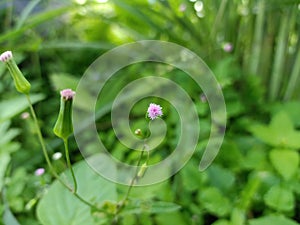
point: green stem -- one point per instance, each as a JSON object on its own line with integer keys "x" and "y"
{"x": 41, "y": 140}
{"x": 122, "y": 204}
{"x": 69, "y": 164}
{"x": 294, "y": 75}
{"x": 279, "y": 60}
{"x": 258, "y": 37}
{"x": 218, "y": 20}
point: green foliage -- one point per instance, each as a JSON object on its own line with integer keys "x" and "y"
{"x": 66, "y": 208}
{"x": 280, "y": 132}
{"x": 280, "y": 198}
{"x": 213, "y": 201}
{"x": 256, "y": 172}
{"x": 286, "y": 162}
{"x": 273, "y": 219}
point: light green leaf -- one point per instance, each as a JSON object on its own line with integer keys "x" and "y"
{"x": 220, "y": 177}
{"x": 213, "y": 200}
{"x": 285, "y": 162}
{"x": 221, "y": 222}
{"x": 4, "y": 160}
{"x": 60, "y": 207}
{"x": 8, "y": 218}
{"x": 62, "y": 81}
{"x": 280, "y": 132}
{"x": 148, "y": 206}
{"x": 10, "y": 108}
{"x": 280, "y": 198}
{"x": 274, "y": 220}
{"x": 175, "y": 218}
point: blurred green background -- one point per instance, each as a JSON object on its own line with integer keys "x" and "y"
{"x": 253, "y": 48}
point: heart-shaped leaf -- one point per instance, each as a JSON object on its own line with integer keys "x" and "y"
{"x": 59, "y": 206}
{"x": 285, "y": 162}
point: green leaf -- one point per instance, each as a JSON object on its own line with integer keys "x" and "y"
{"x": 274, "y": 220}
{"x": 291, "y": 108}
{"x": 280, "y": 132}
{"x": 213, "y": 200}
{"x": 10, "y": 108}
{"x": 220, "y": 177}
{"x": 285, "y": 162}
{"x": 191, "y": 170}
{"x": 221, "y": 222}
{"x": 8, "y": 218}
{"x": 280, "y": 198}
{"x": 4, "y": 161}
{"x": 148, "y": 206}
{"x": 60, "y": 207}
{"x": 62, "y": 81}
{"x": 174, "y": 218}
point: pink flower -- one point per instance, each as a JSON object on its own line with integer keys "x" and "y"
{"x": 39, "y": 172}
{"x": 227, "y": 47}
{"x": 154, "y": 111}
{"x": 67, "y": 94}
{"x": 5, "y": 56}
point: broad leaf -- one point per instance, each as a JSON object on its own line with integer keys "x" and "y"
{"x": 10, "y": 108}
{"x": 272, "y": 220}
{"x": 285, "y": 162}
{"x": 280, "y": 132}
{"x": 222, "y": 222}
{"x": 60, "y": 207}
{"x": 148, "y": 206}
{"x": 213, "y": 200}
{"x": 280, "y": 199}
{"x": 4, "y": 161}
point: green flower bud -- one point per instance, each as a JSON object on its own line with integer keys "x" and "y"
{"x": 22, "y": 85}
{"x": 142, "y": 170}
{"x": 64, "y": 127}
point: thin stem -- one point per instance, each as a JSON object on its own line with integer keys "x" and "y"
{"x": 218, "y": 19}
{"x": 69, "y": 164}
{"x": 41, "y": 140}
{"x": 258, "y": 38}
{"x": 280, "y": 57}
{"x": 122, "y": 204}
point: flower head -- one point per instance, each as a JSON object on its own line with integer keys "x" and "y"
{"x": 154, "y": 111}
{"x": 6, "y": 56}
{"x": 227, "y": 47}
{"x": 22, "y": 85}
{"x": 39, "y": 172}
{"x": 56, "y": 156}
{"x": 63, "y": 127}
{"x": 67, "y": 94}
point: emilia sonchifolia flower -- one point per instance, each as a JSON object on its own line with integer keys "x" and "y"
{"x": 63, "y": 127}
{"x": 154, "y": 111}
{"x": 22, "y": 85}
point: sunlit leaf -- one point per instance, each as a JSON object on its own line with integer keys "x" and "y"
{"x": 274, "y": 220}
{"x": 285, "y": 162}
{"x": 280, "y": 198}
{"x": 60, "y": 207}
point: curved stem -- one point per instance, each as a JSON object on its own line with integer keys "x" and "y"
{"x": 69, "y": 164}
{"x": 122, "y": 204}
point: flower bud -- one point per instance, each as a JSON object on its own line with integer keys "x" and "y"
{"x": 22, "y": 85}
{"x": 142, "y": 170}
{"x": 64, "y": 127}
